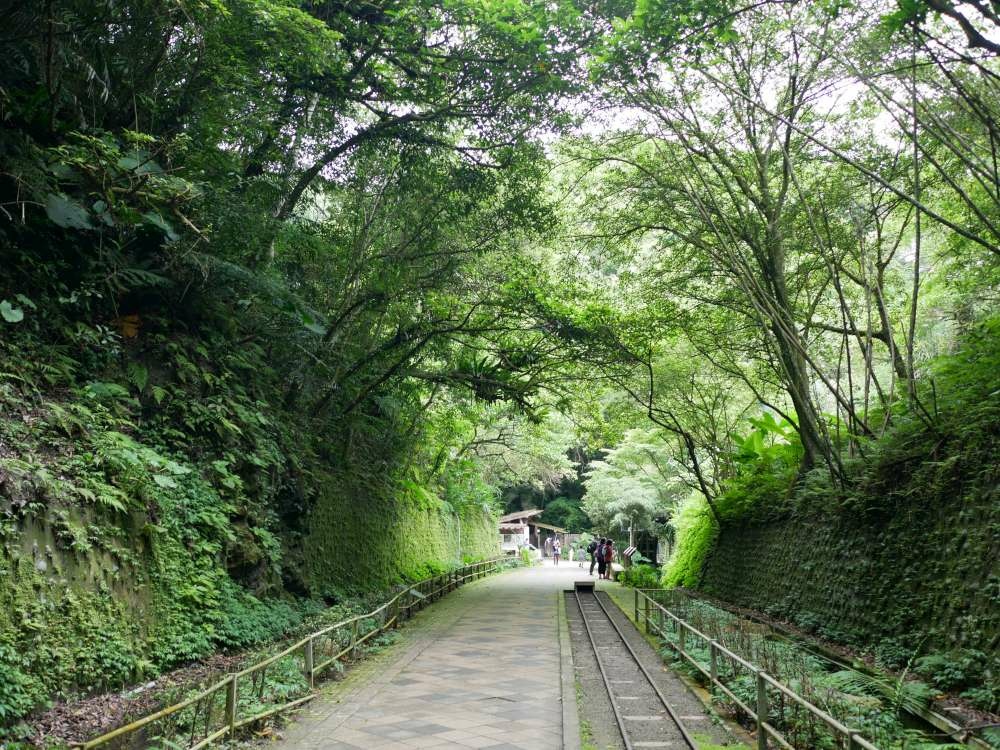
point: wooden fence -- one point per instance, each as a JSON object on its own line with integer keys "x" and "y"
{"x": 657, "y": 617}
{"x": 220, "y": 710}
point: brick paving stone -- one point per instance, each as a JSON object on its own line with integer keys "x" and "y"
{"x": 479, "y": 670}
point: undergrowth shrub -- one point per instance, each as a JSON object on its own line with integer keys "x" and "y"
{"x": 246, "y": 620}
{"x": 953, "y": 670}
{"x": 640, "y": 576}
{"x": 19, "y": 691}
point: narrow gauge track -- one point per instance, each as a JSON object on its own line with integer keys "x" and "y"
{"x": 645, "y": 718}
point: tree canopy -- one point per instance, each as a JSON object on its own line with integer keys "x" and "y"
{"x": 431, "y": 250}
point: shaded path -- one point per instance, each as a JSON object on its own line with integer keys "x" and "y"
{"x": 480, "y": 669}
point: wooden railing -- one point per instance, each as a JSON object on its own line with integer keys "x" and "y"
{"x": 215, "y": 712}
{"x": 657, "y": 617}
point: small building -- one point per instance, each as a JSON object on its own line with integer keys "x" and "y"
{"x": 520, "y": 528}
{"x": 514, "y": 532}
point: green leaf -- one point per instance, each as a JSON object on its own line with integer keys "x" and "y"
{"x": 100, "y": 389}
{"x": 311, "y": 324}
{"x": 162, "y": 224}
{"x": 149, "y": 167}
{"x": 25, "y": 301}
{"x": 164, "y": 481}
{"x": 86, "y": 494}
{"x": 67, "y": 213}
{"x": 176, "y": 469}
{"x": 138, "y": 374}
{"x": 221, "y": 466}
{"x": 10, "y": 313}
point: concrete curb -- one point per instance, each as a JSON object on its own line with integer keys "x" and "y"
{"x": 570, "y": 717}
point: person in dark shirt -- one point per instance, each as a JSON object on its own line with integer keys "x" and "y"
{"x": 592, "y": 551}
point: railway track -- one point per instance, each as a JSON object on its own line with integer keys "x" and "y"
{"x": 644, "y": 716}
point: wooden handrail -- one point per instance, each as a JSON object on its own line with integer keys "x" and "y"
{"x": 765, "y": 730}
{"x": 438, "y": 585}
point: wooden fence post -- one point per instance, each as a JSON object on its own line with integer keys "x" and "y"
{"x": 309, "y": 672}
{"x": 762, "y": 711}
{"x": 713, "y": 652}
{"x": 231, "y": 704}
{"x": 645, "y": 602}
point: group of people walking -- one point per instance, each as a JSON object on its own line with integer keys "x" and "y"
{"x": 602, "y": 553}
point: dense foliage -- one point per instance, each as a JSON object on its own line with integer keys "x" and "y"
{"x": 292, "y": 293}
{"x": 786, "y": 233}
{"x": 262, "y": 272}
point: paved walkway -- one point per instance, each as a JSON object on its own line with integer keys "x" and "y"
{"x": 480, "y": 669}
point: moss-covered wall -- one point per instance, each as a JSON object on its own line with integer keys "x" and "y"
{"x": 364, "y": 543}
{"x": 88, "y": 604}
{"x": 923, "y": 577}
{"x": 480, "y": 533}
{"x": 81, "y": 616}
{"x": 67, "y": 617}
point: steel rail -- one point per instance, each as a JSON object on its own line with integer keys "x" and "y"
{"x": 666, "y": 704}
{"x": 688, "y": 739}
{"x": 604, "y": 675}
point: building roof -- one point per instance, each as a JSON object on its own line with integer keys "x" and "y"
{"x": 510, "y": 528}
{"x": 520, "y": 514}
{"x": 549, "y": 527}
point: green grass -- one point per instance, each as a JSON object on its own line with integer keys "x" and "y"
{"x": 586, "y": 734}
{"x": 705, "y": 743}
